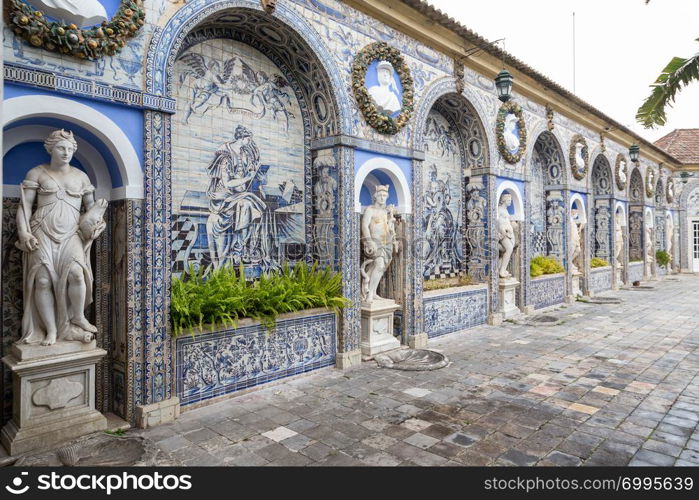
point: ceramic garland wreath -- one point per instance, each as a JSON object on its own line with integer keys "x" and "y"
{"x": 506, "y": 109}
{"x": 579, "y": 174}
{"x": 381, "y": 51}
{"x": 650, "y": 186}
{"x": 90, "y": 43}
{"x": 617, "y": 172}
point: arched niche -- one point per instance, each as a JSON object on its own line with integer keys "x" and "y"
{"x": 455, "y": 144}
{"x": 376, "y": 171}
{"x": 106, "y": 154}
{"x": 251, "y": 94}
{"x": 602, "y": 190}
{"x": 516, "y": 210}
{"x": 548, "y": 172}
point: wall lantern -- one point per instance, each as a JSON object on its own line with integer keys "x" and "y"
{"x": 684, "y": 175}
{"x": 634, "y": 152}
{"x": 503, "y": 82}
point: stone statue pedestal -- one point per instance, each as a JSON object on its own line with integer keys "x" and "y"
{"x": 53, "y": 395}
{"x": 617, "y": 279}
{"x": 507, "y": 298}
{"x": 377, "y": 328}
{"x": 576, "y": 289}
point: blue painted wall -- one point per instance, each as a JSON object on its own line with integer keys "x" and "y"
{"x": 129, "y": 120}
{"x": 23, "y": 157}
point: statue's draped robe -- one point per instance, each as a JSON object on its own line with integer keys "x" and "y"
{"x": 54, "y": 223}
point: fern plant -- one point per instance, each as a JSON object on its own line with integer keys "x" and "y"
{"x": 224, "y": 296}
{"x": 662, "y": 258}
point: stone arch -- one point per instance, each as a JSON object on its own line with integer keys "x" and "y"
{"x": 167, "y": 44}
{"x": 548, "y": 146}
{"x": 394, "y": 173}
{"x": 602, "y": 190}
{"x": 444, "y": 87}
{"x": 636, "y": 187}
{"x": 25, "y": 109}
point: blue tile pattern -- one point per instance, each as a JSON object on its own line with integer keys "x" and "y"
{"x": 547, "y": 291}
{"x": 449, "y": 313}
{"x": 214, "y": 364}
{"x": 600, "y": 279}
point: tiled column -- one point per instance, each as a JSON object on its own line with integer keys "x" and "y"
{"x": 413, "y": 322}
{"x": 349, "y": 353}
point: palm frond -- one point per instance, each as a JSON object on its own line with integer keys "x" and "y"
{"x": 678, "y": 73}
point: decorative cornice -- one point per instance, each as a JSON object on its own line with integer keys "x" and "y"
{"x": 15, "y": 73}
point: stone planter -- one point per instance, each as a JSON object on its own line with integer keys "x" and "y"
{"x": 452, "y": 309}
{"x": 212, "y": 364}
{"x": 600, "y": 279}
{"x": 547, "y": 290}
{"x": 635, "y": 271}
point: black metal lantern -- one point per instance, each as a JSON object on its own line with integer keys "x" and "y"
{"x": 684, "y": 175}
{"x": 503, "y": 82}
{"x": 634, "y": 152}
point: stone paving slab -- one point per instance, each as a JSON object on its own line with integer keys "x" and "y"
{"x": 615, "y": 384}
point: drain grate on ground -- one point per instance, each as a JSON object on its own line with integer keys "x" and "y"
{"x": 412, "y": 360}
{"x": 600, "y": 300}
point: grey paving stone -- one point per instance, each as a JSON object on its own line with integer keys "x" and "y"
{"x": 517, "y": 458}
{"x": 651, "y": 457}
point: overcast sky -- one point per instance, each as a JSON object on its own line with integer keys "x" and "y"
{"x": 620, "y": 47}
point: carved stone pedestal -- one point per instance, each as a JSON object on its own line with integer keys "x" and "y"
{"x": 377, "y": 328}
{"x": 577, "y": 289}
{"x": 507, "y": 298}
{"x": 618, "y": 280}
{"x": 53, "y": 395}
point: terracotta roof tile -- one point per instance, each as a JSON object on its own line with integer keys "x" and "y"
{"x": 682, "y": 143}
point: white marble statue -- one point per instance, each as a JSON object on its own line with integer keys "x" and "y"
{"x": 579, "y": 160}
{"x": 622, "y": 172}
{"x": 509, "y": 133}
{"x": 79, "y": 12}
{"x": 379, "y": 243}
{"x": 651, "y": 179}
{"x": 56, "y": 241}
{"x": 385, "y": 94}
{"x": 576, "y": 227}
{"x": 650, "y": 251}
{"x": 506, "y": 226}
{"x": 618, "y": 237}
{"x": 670, "y": 191}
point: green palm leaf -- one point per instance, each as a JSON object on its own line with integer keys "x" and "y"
{"x": 678, "y": 73}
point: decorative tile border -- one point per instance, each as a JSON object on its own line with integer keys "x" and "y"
{"x": 446, "y": 312}
{"x": 600, "y": 279}
{"x": 213, "y": 364}
{"x": 547, "y": 291}
{"x": 15, "y": 73}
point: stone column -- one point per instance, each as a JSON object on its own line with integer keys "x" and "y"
{"x": 157, "y": 402}
{"x": 349, "y": 353}
{"x": 413, "y": 321}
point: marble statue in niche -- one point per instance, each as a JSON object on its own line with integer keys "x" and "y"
{"x": 441, "y": 227}
{"x": 622, "y": 172}
{"x": 648, "y": 243}
{"x": 576, "y": 228}
{"x": 618, "y": 237}
{"x": 385, "y": 94}
{"x": 506, "y": 227}
{"x": 670, "y": 191}
{"x": 378, "y": 229}
{"x": 79, "y": 12}
{"x": 579, "y": 159}
{"x": 651, "y": 179}
{"x": 511, "y": 133}
{"x": 56, "y": 240}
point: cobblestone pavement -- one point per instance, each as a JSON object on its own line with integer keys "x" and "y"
{"x": 612, "y": 385}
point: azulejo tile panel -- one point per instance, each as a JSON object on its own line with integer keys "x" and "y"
{"x": 547, "y": 292}
{"x": 447, "y": 313}
{"x": 635, "y": 271}
{"x": 600, "y": 279}
{"x": 214, "y": 364}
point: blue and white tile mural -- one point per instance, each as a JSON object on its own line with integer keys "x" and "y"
{"x": 443, "y": 219}
{"x": 238, "y": 161}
